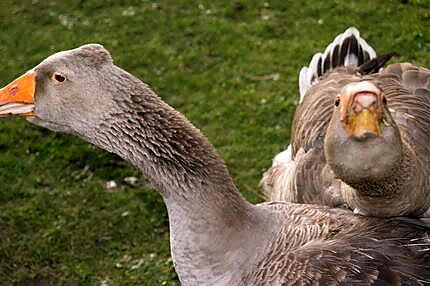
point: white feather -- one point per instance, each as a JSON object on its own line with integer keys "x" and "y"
{"x": 277, "y": 180}
{"x": 309, "y": 75}
{"x": 303, "y": 84}
{"x": 285, "y": 157}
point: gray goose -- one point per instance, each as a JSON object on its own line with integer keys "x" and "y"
{"x": 217, "y": 237}
{"x": 359, "y": 135}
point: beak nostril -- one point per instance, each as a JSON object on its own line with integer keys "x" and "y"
{"x": 13, "y": 90}
{"x": 358, "y": 107}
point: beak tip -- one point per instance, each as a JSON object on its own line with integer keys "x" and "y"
{"x": 17, "y": 98}
{"x": 364, "y": 135}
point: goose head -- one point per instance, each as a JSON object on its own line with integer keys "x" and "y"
{"x": 64, "y": 92}
{"x": 362, "y": 143}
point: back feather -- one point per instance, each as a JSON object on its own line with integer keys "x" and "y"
{"x": 347, "y": 49}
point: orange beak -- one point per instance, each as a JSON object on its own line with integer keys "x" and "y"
{"x": 365, "y": 122}
{"x": 361, "y": 110}
{"x": 17, "y": 98}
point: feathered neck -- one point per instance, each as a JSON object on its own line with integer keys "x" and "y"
{"x": 394, "y": 195}
{"x": 208, "y": 217}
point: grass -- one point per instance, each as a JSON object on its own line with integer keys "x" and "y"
{"x": 212, "y": 60}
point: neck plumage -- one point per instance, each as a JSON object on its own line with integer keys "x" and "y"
{"x": 208, "y": 217}
{"x": 394, "y": 195}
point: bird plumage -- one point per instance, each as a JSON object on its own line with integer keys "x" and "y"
{"x": 307, "y": 176}
{"x": 217, "y": 237}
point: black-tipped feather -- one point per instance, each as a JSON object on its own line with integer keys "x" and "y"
{"x": 353, "y": 50}
{"x": 335, "y": 59}
{"x": 375, "y": 64}
{"x": 347, "y": 49}
{"x": 327, "y": 65}
{"x": 319, "y": 68}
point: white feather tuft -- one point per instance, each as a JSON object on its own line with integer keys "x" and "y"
{"x": 332, "y": 57}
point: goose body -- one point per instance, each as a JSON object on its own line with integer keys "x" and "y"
{"x": 217, "y": 237}
{"x": 385, "y": 176}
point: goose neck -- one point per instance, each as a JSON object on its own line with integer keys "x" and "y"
{"x": 210, "y": 221}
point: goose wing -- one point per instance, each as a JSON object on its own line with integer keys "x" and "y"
{"x": 321, "y": 246}
{"x": 286, "y": 179}
{"x": 407, "y": 89}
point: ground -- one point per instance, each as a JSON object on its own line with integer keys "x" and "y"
{"x": 230, "y": 66}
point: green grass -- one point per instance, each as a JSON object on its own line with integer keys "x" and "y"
{"x": 59, "y": 225}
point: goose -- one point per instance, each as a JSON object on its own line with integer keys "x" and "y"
{"x": 359, "y": 136}
{"x": 216, "y": 236}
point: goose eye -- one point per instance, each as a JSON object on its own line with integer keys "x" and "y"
{"x": 337, "y": 102}
{"x": 384, "y": 100}
{"x": 58, "y": 77}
